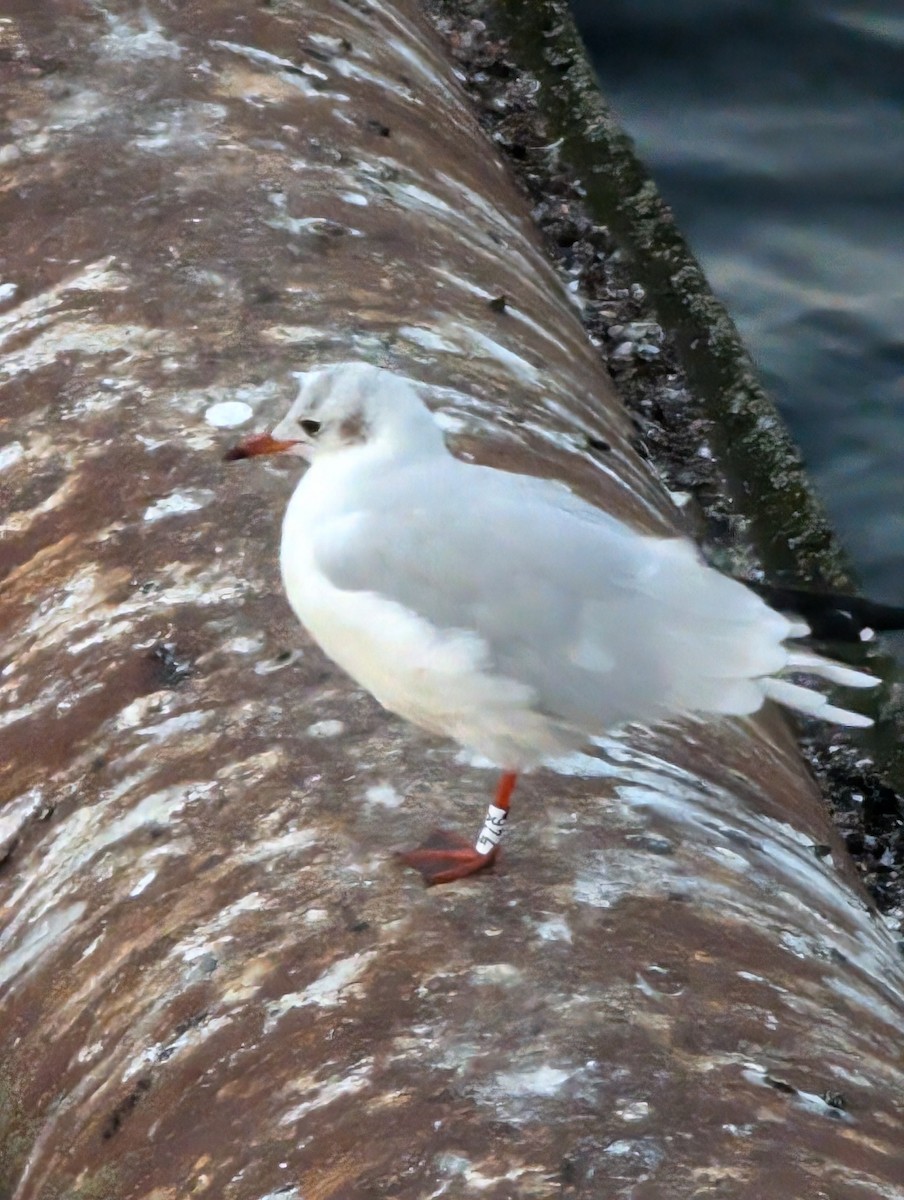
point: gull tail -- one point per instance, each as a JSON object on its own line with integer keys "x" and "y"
{"x": 814, "y": 704}
{"x": 831, "y": 617}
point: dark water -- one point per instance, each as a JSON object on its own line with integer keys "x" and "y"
{"x": 775, "y": 129}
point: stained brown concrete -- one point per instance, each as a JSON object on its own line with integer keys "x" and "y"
{"x": 215, "y": 979}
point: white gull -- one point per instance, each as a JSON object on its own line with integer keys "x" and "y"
{"x": 501, "y": 610}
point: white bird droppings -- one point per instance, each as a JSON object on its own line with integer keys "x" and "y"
{"x": 242, "y": 645}
{"x": 144, "y": 882}
{"x": 40, "y": 936}
{"x": 555, "y": 929}
{"x": 325, "y": 729}
{"x": 384, "y": 795}
{"x": 228, "y": 414}
{"x": 177, "y": 503}
{"x": 10, "y": 454}
{"x": 501, "y": 973}
{"x": 322, "y": 1094}
{"x": 427, "y": 339}
{"x": 544, "y": 1081}
{"x": 284, "y": 659}
{"x": 336, "y": 985}
{"x": 144, "y": 39}
{"x": 635, "y": 1110}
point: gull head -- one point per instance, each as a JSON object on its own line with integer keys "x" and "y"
{"x": 345, "y": 406}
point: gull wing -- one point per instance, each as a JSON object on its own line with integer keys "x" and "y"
{"x": 604, "y": 624}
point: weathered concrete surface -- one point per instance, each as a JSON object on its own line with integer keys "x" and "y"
{"x": 215, "y": 981}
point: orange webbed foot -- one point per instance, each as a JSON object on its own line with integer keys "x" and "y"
{"x": 445, "y": 857}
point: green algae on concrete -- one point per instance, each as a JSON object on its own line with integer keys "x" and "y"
{"x": 17, "y": 1132}
{"x": 103, "y": 1184}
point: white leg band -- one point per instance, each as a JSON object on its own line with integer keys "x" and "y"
{"x": 491, "y": 834}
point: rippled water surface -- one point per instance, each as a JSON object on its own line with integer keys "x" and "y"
{"x": 775, "y": 129}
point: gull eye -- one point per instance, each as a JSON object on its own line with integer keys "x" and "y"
{"x": 310, "y": 427}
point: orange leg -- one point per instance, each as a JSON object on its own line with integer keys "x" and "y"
{"x": 446, "y": 856}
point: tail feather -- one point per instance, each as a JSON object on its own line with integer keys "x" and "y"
{"x": 827, "y": 617}
{"x": 799, "y": 629}
{"x": 844, "y": 716}
{"x": 815, "y": 664}
{"x": 814, "y": 704}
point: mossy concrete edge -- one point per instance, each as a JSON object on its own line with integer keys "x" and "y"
{"x": 788, "y": 523}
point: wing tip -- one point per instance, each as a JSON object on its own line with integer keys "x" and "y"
{"x": 812, "y": 704}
